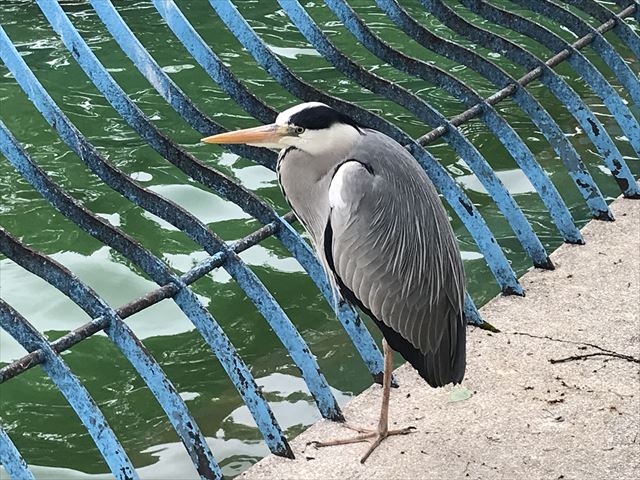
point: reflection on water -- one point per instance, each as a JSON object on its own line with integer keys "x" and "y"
{"x": 293, "y": 52}
{"x": 515, "y": 181}
{"x": 292, "y": 406}
{"x": 205, "y": 206}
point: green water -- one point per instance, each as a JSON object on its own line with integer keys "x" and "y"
{"x": 33, "y": 412}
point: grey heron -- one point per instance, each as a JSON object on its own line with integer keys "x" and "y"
{"x": 382, "y": 235}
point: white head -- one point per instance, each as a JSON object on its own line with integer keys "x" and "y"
{"x": 312, "y": 127}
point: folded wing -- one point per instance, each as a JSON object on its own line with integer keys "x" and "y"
{"x": 390, "y": 246}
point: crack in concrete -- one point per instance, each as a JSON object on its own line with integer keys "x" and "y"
{"x": 604, "y": 352}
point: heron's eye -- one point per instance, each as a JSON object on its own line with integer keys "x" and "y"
{"x": 299, "y": 130}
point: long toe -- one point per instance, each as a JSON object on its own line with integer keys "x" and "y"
{"x": 365, "y": 435}
{"x": 380, "y": 436}
{"x": 345, "y": 441}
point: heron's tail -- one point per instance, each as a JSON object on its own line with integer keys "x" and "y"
{"x": 447, "y": 364}
{"x": 444, "y": 365}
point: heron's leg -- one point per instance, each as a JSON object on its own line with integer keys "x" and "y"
{"x": 383, "y": 423}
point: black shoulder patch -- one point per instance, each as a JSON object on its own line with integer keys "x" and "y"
{"x": 286, "y": 152}
{"x": 366, "y": 165}
{"x": 346, "y": 293}
{"x": 319, "y": 117}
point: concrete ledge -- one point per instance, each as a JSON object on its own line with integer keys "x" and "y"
{"x": 528, "y": 417}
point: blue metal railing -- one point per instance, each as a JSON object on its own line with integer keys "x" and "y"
{"x": 225, "y": 255}
{"x": 611, "y": 156}
{"x": 498, "y": 77}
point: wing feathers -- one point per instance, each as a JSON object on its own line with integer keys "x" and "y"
{"x": 393, "y": 249}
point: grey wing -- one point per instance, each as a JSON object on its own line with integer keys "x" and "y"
{"x": 393, "y": 248}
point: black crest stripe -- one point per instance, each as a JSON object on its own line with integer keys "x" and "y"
{"x": 320, "y": 116}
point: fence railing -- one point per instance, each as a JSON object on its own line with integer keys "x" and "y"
{"x": 224, "y": 255}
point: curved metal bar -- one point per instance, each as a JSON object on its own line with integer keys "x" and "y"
{"x": 356, "y": 330}
{"x": 483, "y": 171}
{"x": 122, "y": 336}
{"x": 611, "y": 156}
{"x": 539, "y": 116}
{"x": 488, "y": 115}
{"x": 167, "y": 88}
{"x": 465, "y": 209}
{"x": 603, "y": 48}
{"x": 471, "y": 313}
{"x": 603, "y": 14}
{"x": 60, "y": 374}
{"x": 248, "y": 281}
{"x": 208, "y": 60}
{"x": 11, "y": 459}
{"x": 211, "y": 63}
{"x": 184, "y": 298}
{"x": 576, "y": 60}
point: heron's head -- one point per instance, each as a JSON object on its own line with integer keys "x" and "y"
{"x": 312, "y": 127}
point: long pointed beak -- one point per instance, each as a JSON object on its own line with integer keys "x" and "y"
{"x": 265, "y": 135}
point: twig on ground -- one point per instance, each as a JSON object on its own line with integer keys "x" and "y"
{"x": 604, "y": 352}
{"x": 628, "y": 358}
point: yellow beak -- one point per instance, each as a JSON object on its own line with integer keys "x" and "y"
{"x": 265, "y": 135}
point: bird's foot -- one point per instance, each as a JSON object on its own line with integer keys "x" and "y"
{"x": 380, "y": 436}
{"x": 365, "y": 434}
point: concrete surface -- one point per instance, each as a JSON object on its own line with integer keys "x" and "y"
{"x": 527, "y": 417}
